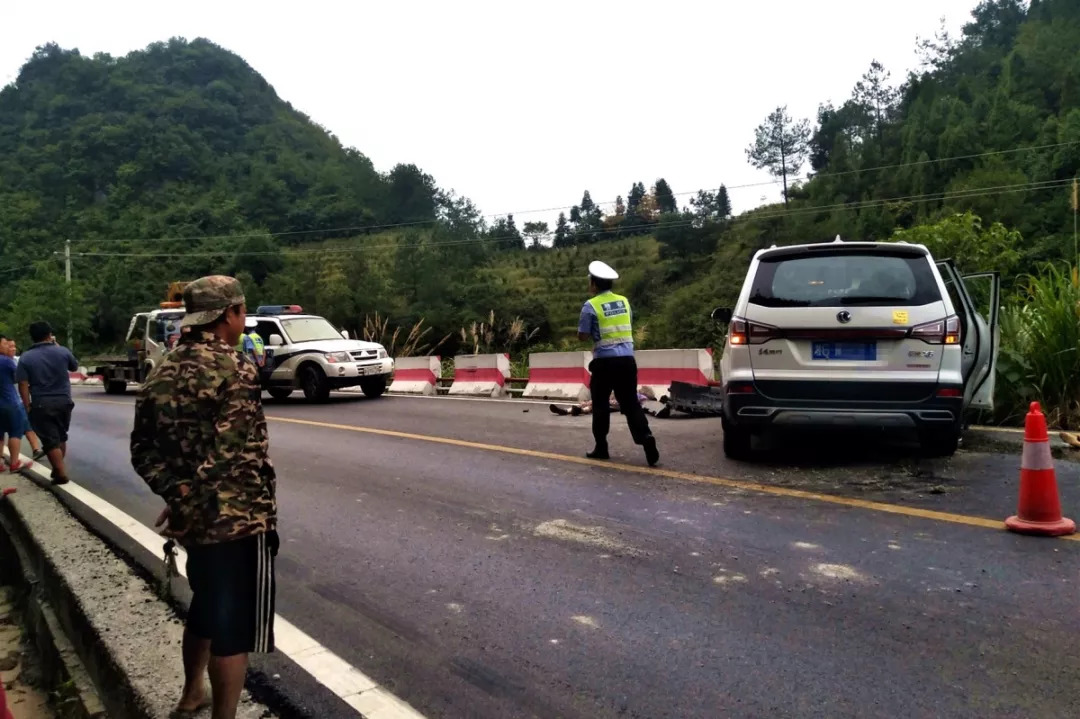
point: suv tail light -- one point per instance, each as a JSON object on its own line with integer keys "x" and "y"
{"x": 939, "y": 332}
{"x": 742, "y": 332}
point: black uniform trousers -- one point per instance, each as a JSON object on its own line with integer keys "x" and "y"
{"x": 618, "y": 375}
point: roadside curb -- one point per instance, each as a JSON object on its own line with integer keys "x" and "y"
{"x": 1011, "y": 441}
{"x": 126, "y": 639}
{"x": 58, "y": 660}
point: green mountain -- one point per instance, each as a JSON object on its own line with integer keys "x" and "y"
{"x": 182, "y": 140}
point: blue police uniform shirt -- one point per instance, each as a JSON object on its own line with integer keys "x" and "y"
{"x": 590, "y": 324}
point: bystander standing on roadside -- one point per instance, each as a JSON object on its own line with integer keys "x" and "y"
{"x": 45, "y": 387}
{"x": 200, "y": 442}
{"x": 13, "y": 422}
{"x": 31, "y": 435}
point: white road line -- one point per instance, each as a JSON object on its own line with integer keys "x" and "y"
{"x": 489, "y": 400}
{"x": 358, "y": 690}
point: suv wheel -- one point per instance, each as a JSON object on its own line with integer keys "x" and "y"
{"x": 280, "y": 393}
{"x": 313, "y": 383}
{"x": 737, "y": 442}
{"x": 939, "y": 442}
{"x": 374, "y": 387}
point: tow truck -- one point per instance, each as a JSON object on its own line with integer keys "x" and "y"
{"x": 149, "y": 337}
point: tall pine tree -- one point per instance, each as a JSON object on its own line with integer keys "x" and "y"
{"x": 723, "y": 203}
{"x": 563, "y": 235}
{"x": 665, "y": 198}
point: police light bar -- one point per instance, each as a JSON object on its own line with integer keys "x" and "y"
{"x": 279, "y": 310}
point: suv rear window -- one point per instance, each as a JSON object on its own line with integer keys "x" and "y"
{"x": 840, "y": 279}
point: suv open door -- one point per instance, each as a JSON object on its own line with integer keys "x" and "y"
{"x": 977, "y": 299}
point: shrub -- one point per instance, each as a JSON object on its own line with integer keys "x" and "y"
{"x": 1040, "y": 348}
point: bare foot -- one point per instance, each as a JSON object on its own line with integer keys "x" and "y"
{"x": 191, "y": 704}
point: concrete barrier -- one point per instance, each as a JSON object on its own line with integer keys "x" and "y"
{"x": 559, "y": 375}
{"x": 83, "y": 376}
{"x": 481, "y": 375}
{"x": 416, "y": 375}
{"x": 657, "y": 369}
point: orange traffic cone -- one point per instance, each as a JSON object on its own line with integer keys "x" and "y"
{"x": 1039, "y": 510}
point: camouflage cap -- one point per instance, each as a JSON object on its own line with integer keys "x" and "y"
{"x": 207, "y": 298}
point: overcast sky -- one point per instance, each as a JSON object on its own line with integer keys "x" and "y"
{"x": 522, "y": 105}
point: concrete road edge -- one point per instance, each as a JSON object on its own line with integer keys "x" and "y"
{"x": 125, "y": 636}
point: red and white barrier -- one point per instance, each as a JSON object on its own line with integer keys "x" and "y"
{"x": 657, "y": 369}
{"x": 481, "y": 375}
{"x": 559, "y": 375}
{"x": 81, "y": 377}
{"x": 416, "y": 375}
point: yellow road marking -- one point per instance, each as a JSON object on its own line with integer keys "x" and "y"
{"x": 741, "y": 484}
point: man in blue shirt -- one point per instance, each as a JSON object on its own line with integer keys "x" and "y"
{"x": 606, "y": 322}
{"x": 13, "y": 422}
{"x": 45, "y": 387}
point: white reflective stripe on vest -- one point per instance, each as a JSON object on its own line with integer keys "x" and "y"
{"x": 1036, "y": 456}
{"x": 613, "y": 342}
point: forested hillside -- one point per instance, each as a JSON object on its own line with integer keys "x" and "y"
{"x": 180, "y": 160}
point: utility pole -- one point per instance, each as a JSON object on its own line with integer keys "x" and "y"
{"x": 1075, "y": 209}
{"x": 67, "y": 274}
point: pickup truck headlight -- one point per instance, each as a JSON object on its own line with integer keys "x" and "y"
{"x": 338, "y": 357}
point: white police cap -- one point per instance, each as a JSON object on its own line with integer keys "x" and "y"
{"x": 602, "y": 271}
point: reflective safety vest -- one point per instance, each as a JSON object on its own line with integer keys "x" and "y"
{"x": 256, "y": 345}
{"x": 613, "y": 313}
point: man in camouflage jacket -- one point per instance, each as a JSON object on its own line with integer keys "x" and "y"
{"x": 200, "y": 442}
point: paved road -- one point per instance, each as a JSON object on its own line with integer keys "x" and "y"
{"x": 477, "y": 582}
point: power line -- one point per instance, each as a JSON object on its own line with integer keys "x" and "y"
{"x": 417, "y": 223}
{"x": 930, "y": 197}
{"x": 849, "y": 206}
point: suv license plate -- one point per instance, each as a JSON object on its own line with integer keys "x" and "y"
{"x": 849, "y": 351}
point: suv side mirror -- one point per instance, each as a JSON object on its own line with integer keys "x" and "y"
{"x": 722, "y": 315}
{"x": 344, "y": 334}
{"x": 276, "y": 341}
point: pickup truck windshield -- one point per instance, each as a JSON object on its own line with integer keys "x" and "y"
{"x": 309, "y": 329}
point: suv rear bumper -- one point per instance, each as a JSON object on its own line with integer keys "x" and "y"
{"x": 759, "y": 411}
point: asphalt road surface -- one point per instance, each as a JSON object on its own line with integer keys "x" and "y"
{"x": 463, "y": 555}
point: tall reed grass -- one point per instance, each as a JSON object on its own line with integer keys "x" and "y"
{"x": 1040, "y": 348}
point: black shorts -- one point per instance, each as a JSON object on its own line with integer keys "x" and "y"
{"x": 51, "y": 418}
{"x": 232, "y": 586}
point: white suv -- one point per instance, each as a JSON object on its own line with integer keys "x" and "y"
{"x": 308, "y": 352}
{"x": 858, "y": 334}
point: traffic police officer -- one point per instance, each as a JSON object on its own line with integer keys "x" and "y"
{"x": 251, "y": 344}
{"x": 606, "y": 322}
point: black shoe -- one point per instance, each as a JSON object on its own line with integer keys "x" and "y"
{"x": 598, "y": 453}
{"x": 57, "y": 479}
{"x": 652, "y": 454}
{"x": 39, "y": 454}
